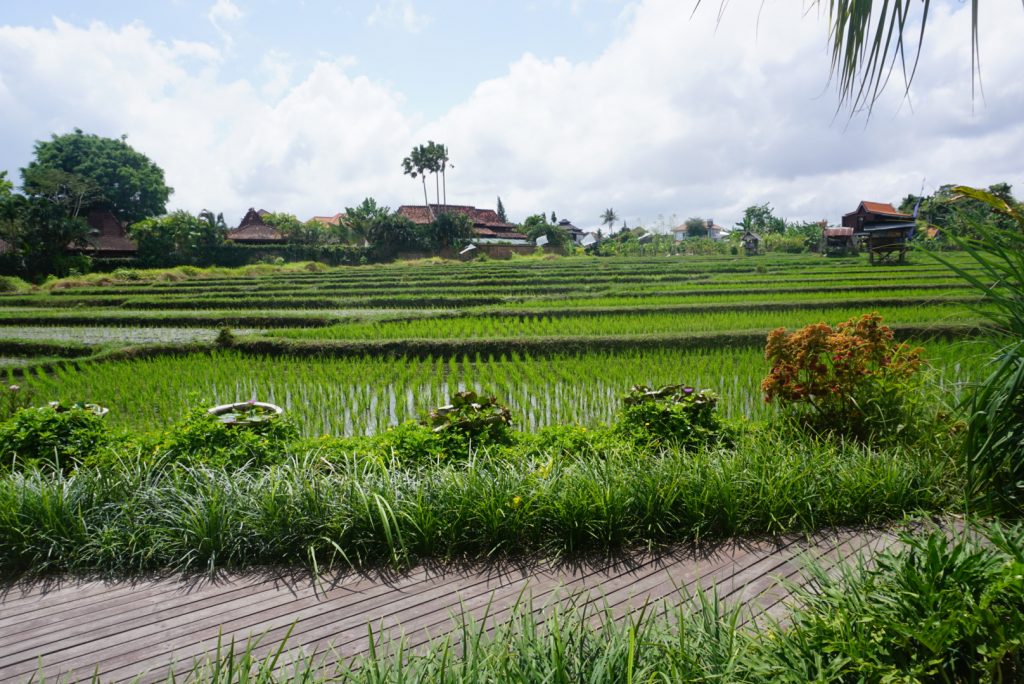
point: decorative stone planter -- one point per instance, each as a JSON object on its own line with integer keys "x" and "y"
{"x": 246, "y": 412}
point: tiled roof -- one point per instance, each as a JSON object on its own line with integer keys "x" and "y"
{"x": 253, "y": 229}
{"x": 480, "y": 217}
{"x": 255, "y": 232}
{"x": 106, "y": 234}
{"x": 879, "y": 208}
{"x": 329, "y": 220}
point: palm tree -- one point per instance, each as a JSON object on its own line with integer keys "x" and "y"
{"x": 416, "y": 165}
{"x": 608, "y": 218}
{"x": 866, "y": 42}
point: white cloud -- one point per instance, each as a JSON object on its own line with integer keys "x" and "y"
{"x": 398, "y": 13}
{"x": 222, "y": 13}
{"x": 677, "y": 116}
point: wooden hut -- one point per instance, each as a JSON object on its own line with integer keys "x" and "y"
{"x": 838, "y": 241}
{"x": 751, "y": 242}
{"x": 885, "y": 232}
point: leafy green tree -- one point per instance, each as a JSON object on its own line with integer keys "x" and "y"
{"x": 394, "y": 233}
{"x": 356, "y": 223}
{"x": 696, "y": 227}
{"x": 537, "y": 225}
{"x": 7, "y": 187}
{"x": 501, "y": 211}
{"x": 961, "y": 215}
{"x": 178, "y": 238}
{"x": 295, "y": 231}
{"x": 105, "y": 172}
{"x": 451, "y": 229}
{"x": 39, "y": 232}
{"x": 760, "y": 219}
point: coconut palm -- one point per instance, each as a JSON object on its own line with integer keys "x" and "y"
{"x": 416, "y": 165}
{"x": 608, "y": 218}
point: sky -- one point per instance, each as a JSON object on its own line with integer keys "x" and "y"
{"x": 655, "y": 108}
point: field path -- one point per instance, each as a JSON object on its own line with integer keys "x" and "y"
{"x": 70, "y": 629}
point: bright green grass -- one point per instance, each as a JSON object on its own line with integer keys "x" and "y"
{"x": 362, "y": 396}
{"x": 469, "y": 327}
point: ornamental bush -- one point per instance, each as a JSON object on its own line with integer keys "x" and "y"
{"x": 672, "y": 414}
{"x": 471, "y": 418}
{"x": 852, "y": 380}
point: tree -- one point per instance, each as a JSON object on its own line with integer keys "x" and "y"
{"x": 961, "y": 215}
{"x": 39, "y": 232}
{"x": 608, "y": 218}
{"x": 867, "y": 41}
{"x": 537, "y": 225}
{"x": 394, "y": 233}
{"x": 295, "y": 231}
{"x": 760, "y": 219}
{"x": 554, "y": 219}
{"x": 7, "y": 187}
{"x": 415, "y": 166}
{"x": 696, "y": 227}
{"x": 120, "y": 180}
{"x": 357, "y": 221}
{"x": 178, "y": 238}
{"x": 451, "y": 229}
{"x": 501, "y": 211}
{"x": 430, "y": 158}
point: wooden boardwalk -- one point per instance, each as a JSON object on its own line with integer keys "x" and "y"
{"x": 70, "y": 629}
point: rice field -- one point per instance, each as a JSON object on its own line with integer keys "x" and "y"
{"x": 363, "y": 396}
{"x": 570, "y": 301}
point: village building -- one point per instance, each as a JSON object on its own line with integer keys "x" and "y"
{"x": 329, "y": 221}
{"x": 107, "y": 237}
{"x": 487, "y": 227}
{"x": 751, "y": 242}
{"x": 884, "y": 231}
{"x": 715, "y": 231}
{"x": 253, "y": 231}
{"x": 575, "y": 234}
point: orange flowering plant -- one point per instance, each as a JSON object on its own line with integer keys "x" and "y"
{"x": 853, "y": 379}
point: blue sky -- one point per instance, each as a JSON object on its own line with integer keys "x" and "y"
{"x": 570, "y": 106}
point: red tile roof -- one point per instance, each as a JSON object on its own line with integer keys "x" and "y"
{"x": 485, "y": 221}
{"x": 880, "y": 208}
{"x": 480, "y": 217}
{"x": 329, "y": 220}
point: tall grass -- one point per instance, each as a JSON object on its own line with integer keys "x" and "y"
{"x": 995, "y": 436}
{"x": 346, "y": 510}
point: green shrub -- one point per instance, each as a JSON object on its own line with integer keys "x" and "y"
{"x": 47, "y": 436}
{"x": 203, "y": 439}
{"x": 935, "y": 611}
{"x": 127, "y": 274}
{"x": 557, "y": 441}
{"x": 672, "y": 414}
{"x": 9, "y": 284}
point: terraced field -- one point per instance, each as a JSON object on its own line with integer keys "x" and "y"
{"x": 559, "y": 339}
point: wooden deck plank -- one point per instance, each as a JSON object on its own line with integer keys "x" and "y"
{"x": 132, "y": 627}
